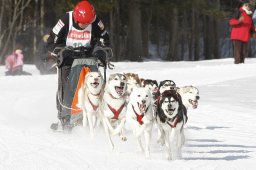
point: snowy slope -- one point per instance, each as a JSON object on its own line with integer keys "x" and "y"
{"x": 220, "y": 133}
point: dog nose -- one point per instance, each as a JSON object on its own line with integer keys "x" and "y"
{"x": 197, "y": 97}
{"x": 122, "y": 84}
{"x": 96, "y": 79}
{"x": 143, "y": 101}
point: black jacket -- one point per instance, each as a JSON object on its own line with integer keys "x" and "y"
{"x": 59, "y": 40}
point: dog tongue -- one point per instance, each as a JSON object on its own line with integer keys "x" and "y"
{"x": 95, "y": 84}
{"x": 142, "y": 108}
{"x": 119, "y": 90}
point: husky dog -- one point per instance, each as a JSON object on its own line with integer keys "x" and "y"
{"x": 140, "y": 116}
{"x": 190, "y": 96}
{"x": 152, "y": 85}
{"x": 113, "y": 108}
{"x": 166, "y": 85}
{"x": 171, "y": 117}
{"x": 89, "y": 97}
{"x": 142, "y": 82}
{"x": 133, "y": 80}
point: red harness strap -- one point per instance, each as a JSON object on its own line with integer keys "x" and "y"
{"x": 177, "y": 120}
{"x": 94, "y": 107}
{"x": 139, "y": 117}
{"x": 116, "y": 112}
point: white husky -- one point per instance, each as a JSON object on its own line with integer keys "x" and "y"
{"x": 89, "y": 97}
{"x": 189, "y": 95}
{"x": 113, "y": 108}
{"x": 140, "y": 116}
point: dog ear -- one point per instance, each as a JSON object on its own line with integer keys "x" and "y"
{"x": 125, "y": 76}
{"x": 155, "y": 82}
{"x": 160, "y": 113}
{"x": 161, "y": 83}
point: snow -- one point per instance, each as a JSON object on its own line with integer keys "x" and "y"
{"x": 220, "y": 133}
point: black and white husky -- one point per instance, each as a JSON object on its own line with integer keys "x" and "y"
{"x": 89, "y": 97}
{"x": 113, "y": 107}
{"x": 140, "y": 116}
{"x": 166, "y": 85}
{"x": 171, "y": 117}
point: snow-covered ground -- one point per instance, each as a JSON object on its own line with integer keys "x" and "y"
{"x": 220, "y": 133}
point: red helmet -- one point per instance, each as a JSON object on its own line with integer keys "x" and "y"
{"x": 84, "y": 13}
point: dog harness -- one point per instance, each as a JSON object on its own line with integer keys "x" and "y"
{"x": 139, "y": 117}
{"x": 94, "y": 107}
{"x": 116, "y": 112}
{"x": 173, "y": 123}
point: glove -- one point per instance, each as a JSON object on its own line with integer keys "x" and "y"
{"x": 59, "y": 61}
{"x": 65, "y": 56}
{"x": 101, "y": 55}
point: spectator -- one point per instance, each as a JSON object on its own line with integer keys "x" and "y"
{"x": 14, "y": 63}
{"x": 242, "y": 27}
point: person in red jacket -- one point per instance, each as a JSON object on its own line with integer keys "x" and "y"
{"x": 242, "y": 27}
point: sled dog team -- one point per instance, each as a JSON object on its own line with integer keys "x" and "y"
{"x": 127, "y": 100}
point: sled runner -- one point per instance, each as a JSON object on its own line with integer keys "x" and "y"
{"x": 82, "y": 62}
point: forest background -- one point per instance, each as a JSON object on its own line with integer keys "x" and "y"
{"x": 171, "y": 30}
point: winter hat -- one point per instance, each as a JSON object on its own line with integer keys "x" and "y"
{"x": 245, "y": 2}
{"x": 242, "y": 2}
{"x": 19, "y": 51}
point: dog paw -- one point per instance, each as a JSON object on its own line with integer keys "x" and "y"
{"x": 123, "y": 138}
{"x": 148, "y": 157}
{"x": 161, "y": 142}
{"x": 147, "y": 154}
{"x": 169, "y": 157}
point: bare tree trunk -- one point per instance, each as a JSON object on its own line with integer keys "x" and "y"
{"x": 184, "y": 40}
{"x": 42, "y": 18}
{"x": 115, "y": 36}
{"x": 215, "y": 39}
{"x": 196, "y": 36}
{"x": 146, "y": 17}
{"x": 2, "y": 10}
{"x": 173, "y": 37}
{"x": 155, "y": 38}
{"x": 135, "y": 51}
{"x": 34, "y": 26}
{"x": 192, "y": 35}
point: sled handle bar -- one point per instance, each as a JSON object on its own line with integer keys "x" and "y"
{"x": 82, "y": 50}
